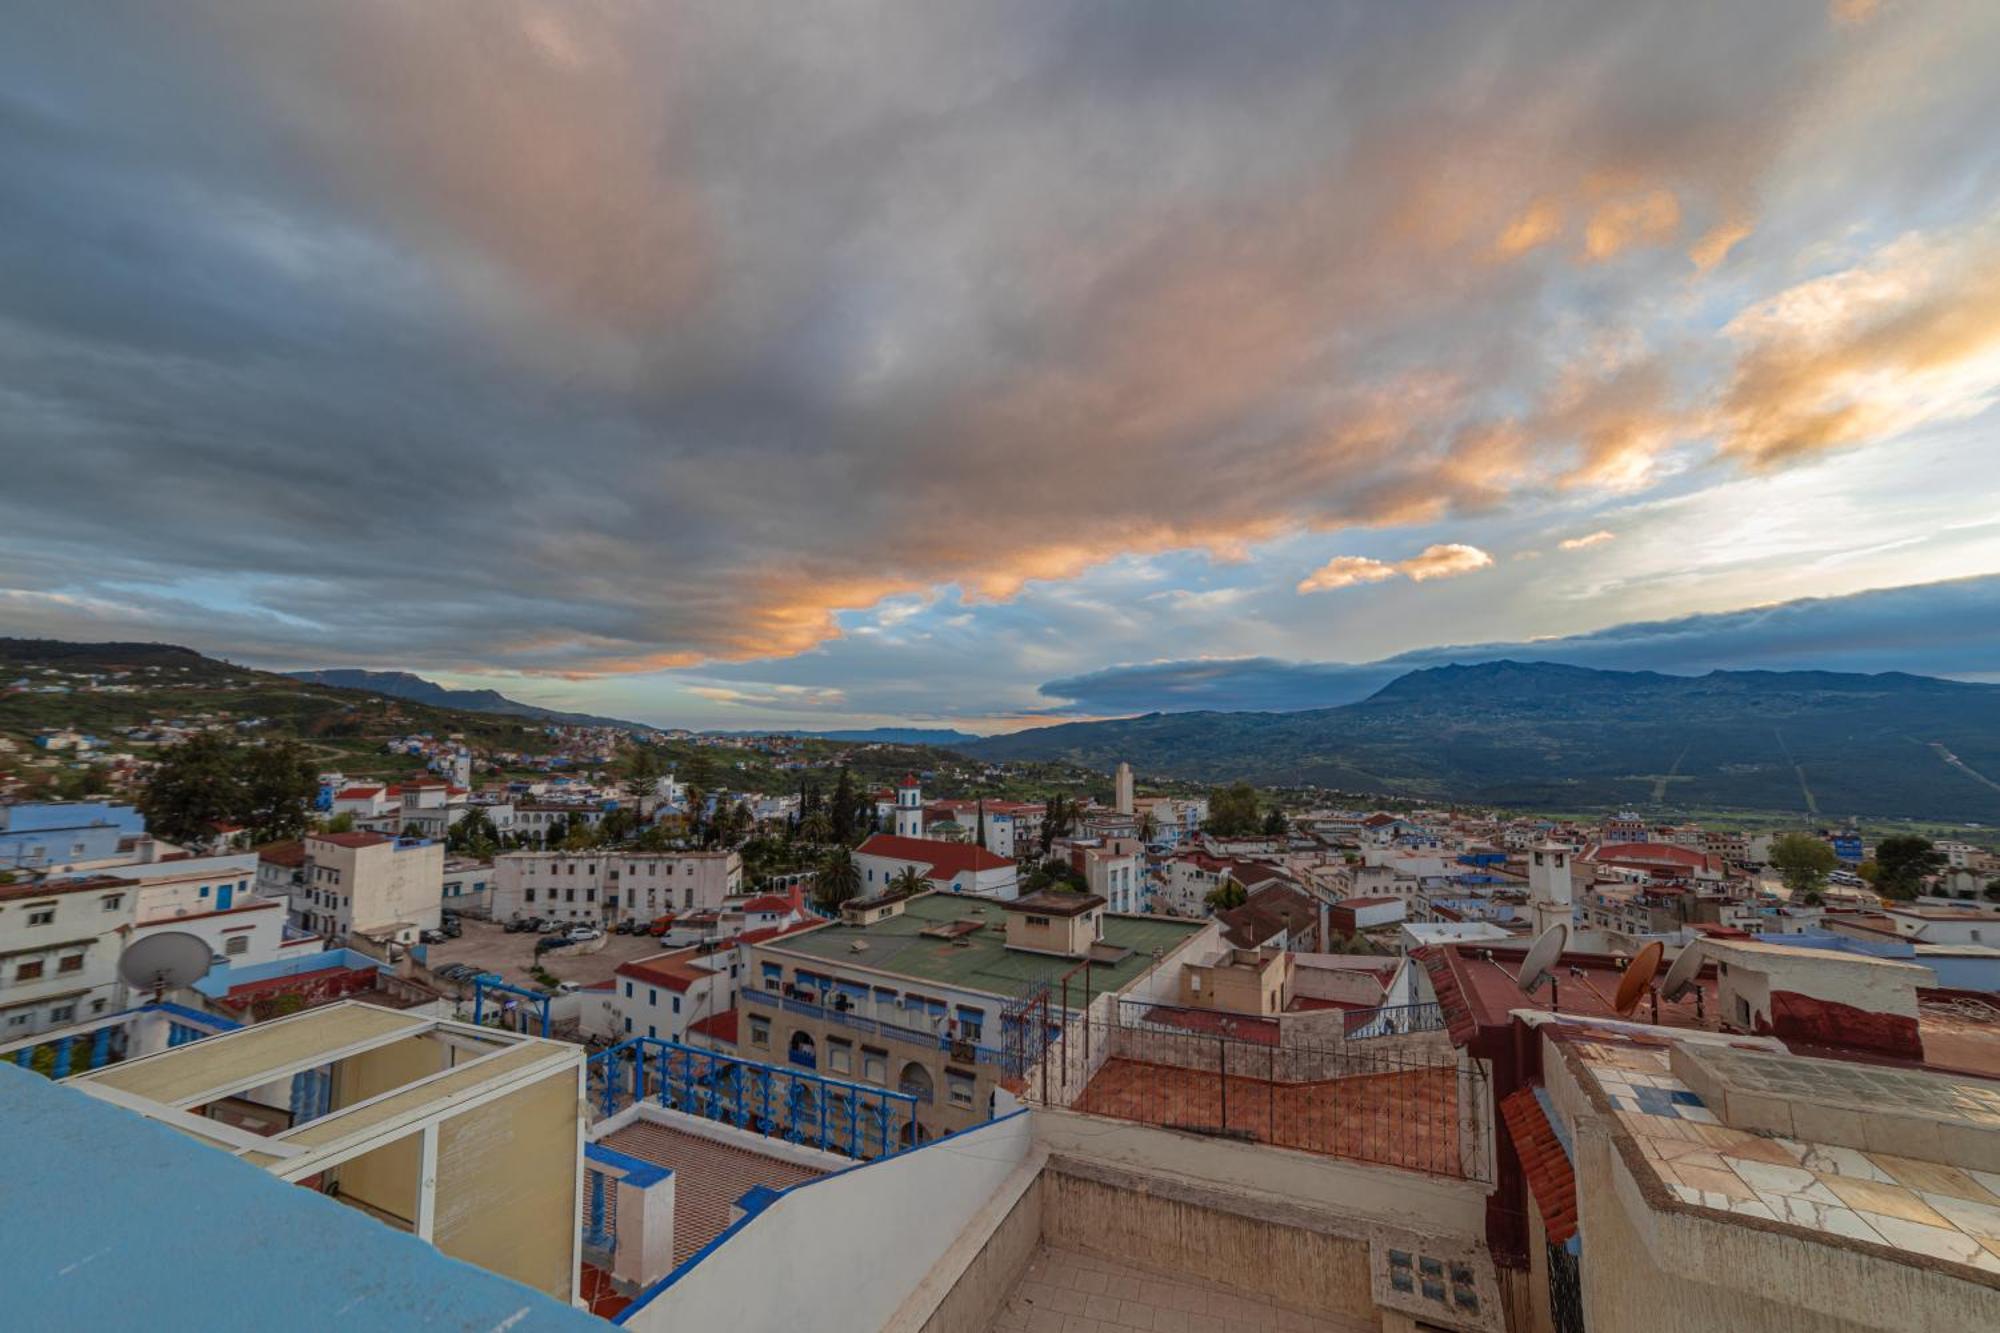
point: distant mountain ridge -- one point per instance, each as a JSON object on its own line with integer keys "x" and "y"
{"x": 404, "y": 685}
{"x": 1828, "y": 744}
{"x": 940, "y": 736}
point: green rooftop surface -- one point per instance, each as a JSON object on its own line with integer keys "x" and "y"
{"x": 897, "y": 945}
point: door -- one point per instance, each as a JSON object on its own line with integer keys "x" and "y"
{"x": 223, "y": 893}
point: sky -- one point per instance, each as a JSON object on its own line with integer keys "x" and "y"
{"x": 743, "y": 364}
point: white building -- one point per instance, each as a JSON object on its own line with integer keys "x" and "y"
{"x": 662, "y": 995}
{"x": 59, "y": 946}
{"x": 218, "y": 904}
{"x": 951, "y": 867}
{"x": 606, "y": 886}
{"x": 370, "y": 884}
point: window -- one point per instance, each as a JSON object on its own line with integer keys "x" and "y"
{"x": 569, "y": 895}
{"x": 590, "y": 895}
{"x": 652, "y": 1031}
{"x": 530, "y": 895}
{"x": 690, "y": 898}
{"x": 677, "y": 1004}
{"x": 628, "y": 1025}
{"x": 839, "y": 1055}
{"x": 874, "y": 1064}
{"x": 63, "y": 1013}
{"x": 628, "y": 990}
{"x": 236, "y": 944}
{"x": 71, "y": 963}
{"x": 28, "y": 971}
{"x": 113, "y": 901}
{"x": 652, "y": 997}
{"x": 760, "y": 1031}
{"x": 18, "y": 1020}
{"x": 204, "y": 891}
{"x": 960, "y": 1086}
{"x": 42, "y": 917}
{"x": 1038, "y": 920}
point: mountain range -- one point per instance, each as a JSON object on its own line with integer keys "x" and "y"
{"x": 403, "y": 685}
{"x": 1552, "y": 736}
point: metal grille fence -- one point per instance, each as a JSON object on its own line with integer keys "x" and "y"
{"x": 1405, "y": 1101}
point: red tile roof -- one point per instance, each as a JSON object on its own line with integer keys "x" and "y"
{"x": 356, "y": 793}
{"x": 283, "y": 853}
{"x": 674, "y": 970}
{"x": 1551, "y": 1178}
{"x": 1458, "y": 1019}
{"x": 721, "y": 1027}
{"x": 769, "y": 902}
{"x": 946, "y": 859}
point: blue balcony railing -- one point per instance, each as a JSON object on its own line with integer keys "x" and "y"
{"x": 969, "y": 1050}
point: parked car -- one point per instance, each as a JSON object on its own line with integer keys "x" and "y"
{"x": 622, "y": 928}
{"x": 661, "y": 925}
{"x": 579, "y": 934}
{"x": 432, "y": 936}
{"x": 516, "y": 926}
{"x": 568, "y": 987}
{"x": 550, "y": 927}
{"x": 451, "y": 930}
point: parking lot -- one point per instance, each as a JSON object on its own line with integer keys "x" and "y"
{"x": 487, "y": 946}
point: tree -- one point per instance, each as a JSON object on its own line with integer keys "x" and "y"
{"x": 839, "y": 879}
{"x": 641, "y": 782}
{"x": 1903, "y": 864}
{"x": 1148, "y": 826}
{"x": 1227, "y": 894}
{"x": 907, "y": 881}
{"x": 194, "y": 788}
{"x": 1993, "y": 891}
{"x": 277, "y": 786}
{"x": 1275, "y": 823}
{"x": 340, "y": 823}
{"x": 1804, "y": 861}
{"x": 841, "y": 817}
{"x": 1232, "y": 811}
{"x": 816, "y": 828}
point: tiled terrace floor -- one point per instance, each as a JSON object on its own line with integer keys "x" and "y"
{"x": 1407, "y": 1119}
{"x": 708, "y": 1177}
{"x": 1068, "y": 1291}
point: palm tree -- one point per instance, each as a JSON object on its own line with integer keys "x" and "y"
{"x": 907, "y": 881}
{"x": 839, "y": 879}
{"x": 815, "y": 828}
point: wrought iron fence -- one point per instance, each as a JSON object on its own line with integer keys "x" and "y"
{"x": 1411, "y": 1103}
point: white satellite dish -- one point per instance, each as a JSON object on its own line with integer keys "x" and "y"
{"x": 160, "y": 963}
{"x": 1682, "y": 974}
{"x": 1537, "y": 967}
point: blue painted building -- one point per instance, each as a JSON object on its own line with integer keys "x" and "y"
{"x": 38, "y": 834}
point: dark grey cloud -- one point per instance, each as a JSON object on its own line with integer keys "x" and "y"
{"x": 1942, "y": 629}
{"x": 555, "y": 338}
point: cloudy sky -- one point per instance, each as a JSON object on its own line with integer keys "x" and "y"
{"x": 734, "y": 364}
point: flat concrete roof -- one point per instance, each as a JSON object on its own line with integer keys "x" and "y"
{"x": 982, "y": 960}
{"x": 154, "y": 1222}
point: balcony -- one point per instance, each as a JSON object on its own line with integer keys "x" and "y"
{"x": 968, "y": 1052}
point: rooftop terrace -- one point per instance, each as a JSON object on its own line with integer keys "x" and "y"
{"x": 981, "y": 960}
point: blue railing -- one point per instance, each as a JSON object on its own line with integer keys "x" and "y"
{"x": 600, "y": 1213}
{"x": 797, "y": 1105}
{"x": 105, "y": 1040}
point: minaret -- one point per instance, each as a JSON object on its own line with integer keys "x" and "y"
{"x": 1550, "y": 894}
{"x": 909, "y": 808}
{"x": 1122, "y": 789}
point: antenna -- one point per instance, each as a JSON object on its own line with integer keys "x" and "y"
{"x": 1537, "y": 966}
{"x": 163, "y": 962}
{"x": 1682, "y": 974}
{"x": 1638, "y": 975}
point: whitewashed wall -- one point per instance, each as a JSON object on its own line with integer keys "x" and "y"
{"x": 868, "y": 1235}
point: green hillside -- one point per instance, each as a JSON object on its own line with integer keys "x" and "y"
{"x": 1546, "y": 736}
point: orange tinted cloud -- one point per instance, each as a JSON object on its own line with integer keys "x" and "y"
{"x": 1647, "y": 218}
{"x": 1442, "y": 561}
{"x": 1909, "y": 336}
{"x": 1597, "y": 538}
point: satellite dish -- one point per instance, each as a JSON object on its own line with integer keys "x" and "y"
{"x": 1638, "y": 975}
{"x": 162, "y": 962}
{"x": 1541, "y": 957}
{"x": 1682, "y": 974}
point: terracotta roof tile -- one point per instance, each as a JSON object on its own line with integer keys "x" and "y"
{"x": 1551, "y": 1178}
